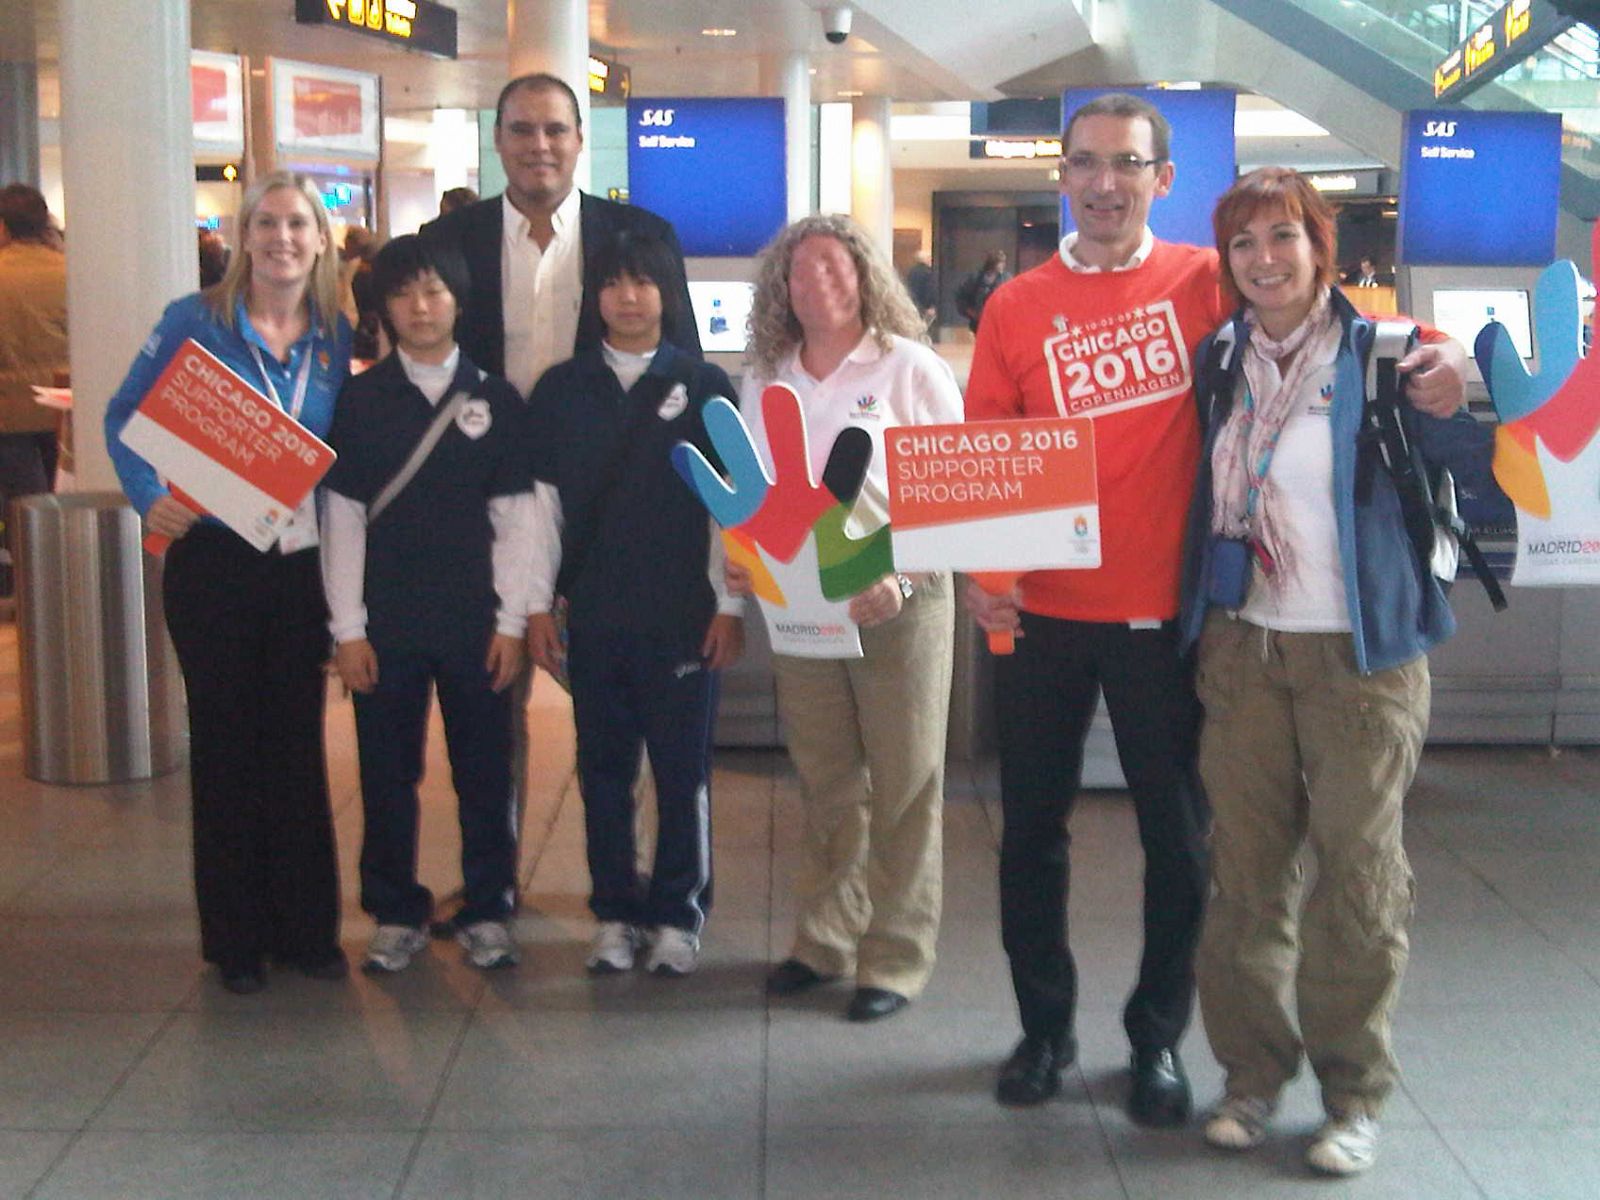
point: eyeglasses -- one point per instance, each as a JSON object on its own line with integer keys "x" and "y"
{"x": 1087, "y": 166}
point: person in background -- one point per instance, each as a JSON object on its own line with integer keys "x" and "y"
{"x": 427, "y": 590}
{"x": 647, "y": 628}
{"x": 456, "y": 197}
{"x": 976, "y": 288}
{"x": 923, "y": 286}
{"x": 33, "y": 342}
{"x": 356, "y": 300}
{"x": 250, "y": 627}
{"x": 1314, "y": 613}
{"x": 866, "y": 735}
{"x": 213, "y": 253}
{"x": 1366, "y": 275}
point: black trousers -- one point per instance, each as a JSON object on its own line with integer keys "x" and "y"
{"x": 27, "y": 464}
{"x": 630, "y": 691}
{"x": 1045, "y": 697}
{"x": 251, "y": 634}
{"x": 392, "y": 732}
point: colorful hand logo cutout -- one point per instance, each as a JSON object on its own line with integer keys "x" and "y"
{"x": 767, "y": 518}
{"x": 1557, "y": 408}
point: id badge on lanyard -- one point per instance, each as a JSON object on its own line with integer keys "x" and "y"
{"x": 301, "y": 531}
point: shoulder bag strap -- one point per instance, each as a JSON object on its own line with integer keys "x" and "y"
{"x": 419, "y": 454}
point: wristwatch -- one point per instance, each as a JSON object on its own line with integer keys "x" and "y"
{"x": 906, "y": 589}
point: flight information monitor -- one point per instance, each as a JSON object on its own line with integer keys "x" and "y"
{"x": 1479, "y": 188}
{"x": 713, "y": 167}
{"x": 722, "y": 314}
{"x": 1463, "y": 312}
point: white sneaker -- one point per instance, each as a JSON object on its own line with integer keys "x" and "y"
{"x": 673, "y": 953}
{"x": 1238, "y": 1123}
{"x": 393, "y": 947}
{"x": 612, "y": 951}
{"x": 1344, "y": 1145}
{"x": 489, "y": 945}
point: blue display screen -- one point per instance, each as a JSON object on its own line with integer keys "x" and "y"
{"x": 714, "y": 168}
{"x": 1202, "y": 151}
{"x": 1479, "y": 188}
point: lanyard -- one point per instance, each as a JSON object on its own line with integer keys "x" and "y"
{"x": 298, "y": 401}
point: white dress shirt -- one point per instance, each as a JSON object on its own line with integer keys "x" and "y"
{"x": 541, "y": 292}
{"x": 1069, "y": 255}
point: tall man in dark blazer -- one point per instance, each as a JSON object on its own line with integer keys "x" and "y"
{"x": 531, "y": 299}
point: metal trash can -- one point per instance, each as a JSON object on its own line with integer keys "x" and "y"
{"x": 102, "y": 699}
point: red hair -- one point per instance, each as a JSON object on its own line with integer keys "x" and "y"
{"x": 1282, "y": 190}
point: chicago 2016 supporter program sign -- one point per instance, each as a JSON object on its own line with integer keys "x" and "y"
{"x": 226, "y": 446}
{"x": 995, "y": 496}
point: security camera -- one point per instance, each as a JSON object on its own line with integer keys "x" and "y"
{"x": 836, "y": 22}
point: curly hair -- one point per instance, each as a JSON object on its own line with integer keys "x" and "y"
{"x": 886, "y": 308}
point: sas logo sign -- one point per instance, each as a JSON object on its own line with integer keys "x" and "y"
{"x": 659, "y": 117}
{"x": 1439, "y": 129}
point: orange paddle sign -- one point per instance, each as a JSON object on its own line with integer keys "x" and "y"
{"x": 998, "y": 583}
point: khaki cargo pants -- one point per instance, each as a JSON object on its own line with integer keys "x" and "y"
{"x": 1299, "y": 748}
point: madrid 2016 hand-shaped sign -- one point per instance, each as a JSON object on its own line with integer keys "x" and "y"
{"x": 1547, "y": 455}
{"x": 785, "y": 527}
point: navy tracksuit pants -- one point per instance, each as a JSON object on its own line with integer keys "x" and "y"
{"x": 392, "y": 732}
{"x": 629, "y": 690}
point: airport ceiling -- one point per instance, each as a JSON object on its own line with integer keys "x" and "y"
{"x": 911, "y": 50}
{"x": 661, "y": 40}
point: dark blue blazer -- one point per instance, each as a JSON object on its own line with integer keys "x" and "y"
{"x": 475, "y": 234}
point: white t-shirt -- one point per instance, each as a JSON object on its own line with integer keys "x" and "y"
{"x": 908, "y": 384}
{"x": 1310, "y": 596}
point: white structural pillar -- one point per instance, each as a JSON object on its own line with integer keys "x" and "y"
{"x": 789, "y": 76}
{"x": 127, "y": 170}
{"x": 452, "y": 148}
{"x": 552, "y": 36}
{"x": 19, "y": 123}
{"x": 871, "y": 187}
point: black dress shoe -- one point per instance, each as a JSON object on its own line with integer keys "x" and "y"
{"x": 873, "y": 1004}
{"x": 1160, "y": 1095}
{"x": 792, "y": 976}
{"x": 329, "y": 968}
{"x": 243, "y": 981}
{"x": 1033, "y": 1072}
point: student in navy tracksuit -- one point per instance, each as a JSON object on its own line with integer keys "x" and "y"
{"x": 429, "y": 592}
{"x": 646, "y": 632}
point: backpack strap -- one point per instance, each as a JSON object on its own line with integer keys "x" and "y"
{"x": 1427, "y": 503}
{"x": 1220, "y": 367}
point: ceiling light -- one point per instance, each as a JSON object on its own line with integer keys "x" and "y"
{"x": 719, "y": 32}
{"x": 852, "y": 94}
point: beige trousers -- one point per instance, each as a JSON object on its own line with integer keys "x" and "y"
{"x": 1299, "y": 748}
{"x": 867, "y": 738}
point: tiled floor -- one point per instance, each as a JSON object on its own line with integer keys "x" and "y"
{"x": 126, "y": 1072}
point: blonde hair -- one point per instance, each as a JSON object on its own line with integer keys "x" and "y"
{"x": 886, "y": 308}
{"x": 322, "y": 290}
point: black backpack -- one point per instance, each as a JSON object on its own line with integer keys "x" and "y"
{"x": 1427, "y": 493}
